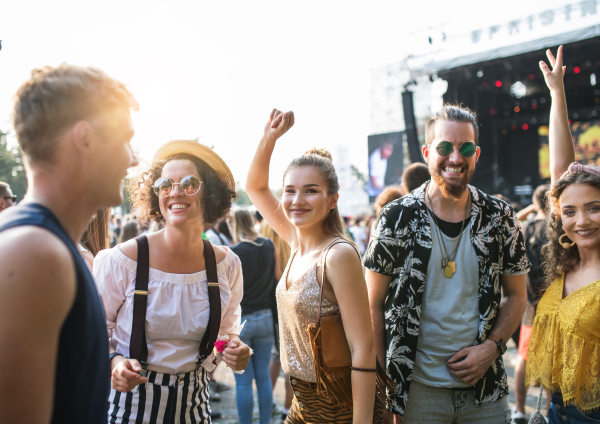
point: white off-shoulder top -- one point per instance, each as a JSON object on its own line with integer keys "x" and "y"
{"x": 177, "y": 311}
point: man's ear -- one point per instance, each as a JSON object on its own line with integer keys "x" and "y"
{"x": 477, "y": 153}
{"x": 81, "y": 134}
{"x": 425, "y": 152}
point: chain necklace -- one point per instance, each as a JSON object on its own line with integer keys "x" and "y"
{"x": 448, "y": 262}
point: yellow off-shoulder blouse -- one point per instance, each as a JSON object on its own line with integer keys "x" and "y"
{"x": 564, "y": 350}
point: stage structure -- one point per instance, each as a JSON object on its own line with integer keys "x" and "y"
{"x": 495, "y": 71}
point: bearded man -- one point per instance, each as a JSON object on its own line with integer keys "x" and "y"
{"x": 446, "y": 275}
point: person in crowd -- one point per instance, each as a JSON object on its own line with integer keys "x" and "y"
{"x": 415, "y": 175}
{"x": 261, "y": 270}
{"x": 215, "y": 236}
{"x": 7, "y": 199}
{"x": 534, "y": 233}
{"x": 564, "y": 350}
{"x": 118, "y": 226}
{"x": 346, "y": 221}
{"x": 283, "y": 252}
{"x": 259, "y": 219}
{"x": 307, "y": 218}
{"x": 359, "y": 235}
{"x": 95, "y": 236}
{"x": 446, "y": 275}
{"x": 73, "y": 125}
{"x": 225, "y": 231}
{"x": 187, "y": 187}
{"x": 388, "y": 194}
{"x": 130, "y": 230}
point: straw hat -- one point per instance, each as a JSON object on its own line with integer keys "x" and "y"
{"x": 200, "y": 151}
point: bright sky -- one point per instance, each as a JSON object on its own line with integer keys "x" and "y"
{"x": 215, "y": 70}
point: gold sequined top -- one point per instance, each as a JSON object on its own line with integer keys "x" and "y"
{"x": 298, "y": 307}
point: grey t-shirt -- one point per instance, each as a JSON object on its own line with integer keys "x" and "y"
{"x": 450, "y": 311}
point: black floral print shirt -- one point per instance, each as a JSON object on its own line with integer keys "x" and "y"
{"x": 401, "y": 246}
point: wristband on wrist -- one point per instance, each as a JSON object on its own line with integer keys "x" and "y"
{"x": 112, "y": 355}
{"x": 363, "y": 369}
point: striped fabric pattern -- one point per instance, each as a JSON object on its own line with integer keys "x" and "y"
{"x": 165, "y": 399}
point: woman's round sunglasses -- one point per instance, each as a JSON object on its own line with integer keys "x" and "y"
{"x": 467, "y": 149}
{"x": 188, "y": 186}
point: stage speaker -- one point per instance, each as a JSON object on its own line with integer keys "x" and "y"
{"x": 414, "y": 149}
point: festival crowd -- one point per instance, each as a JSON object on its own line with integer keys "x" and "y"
{"x": 399, "y": 317}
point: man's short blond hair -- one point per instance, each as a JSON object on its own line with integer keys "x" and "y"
{"x": 55, "y": 97}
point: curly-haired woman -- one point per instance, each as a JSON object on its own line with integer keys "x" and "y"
{"x": 564, "y": 350}
{"x": 188, "y": 186}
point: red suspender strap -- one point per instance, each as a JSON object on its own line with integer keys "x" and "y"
{"x": 138, "y": 348}
{"x": 214, "y": 299}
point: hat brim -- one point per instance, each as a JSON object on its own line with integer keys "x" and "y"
{"x": 200, "y": 151}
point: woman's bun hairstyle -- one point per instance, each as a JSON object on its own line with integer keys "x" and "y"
{"x": 319, "y": 152}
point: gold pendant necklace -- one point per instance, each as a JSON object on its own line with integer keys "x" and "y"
{"x": 448, "y": 263}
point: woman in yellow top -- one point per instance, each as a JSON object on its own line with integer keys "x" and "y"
{"x": 564, "y": 351}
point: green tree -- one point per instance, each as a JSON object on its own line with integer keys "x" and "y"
{"x": 12, "y": 170}
{"x": 242, "y": 198}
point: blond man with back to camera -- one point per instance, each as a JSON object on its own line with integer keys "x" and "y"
{"x": 74, "y": 127}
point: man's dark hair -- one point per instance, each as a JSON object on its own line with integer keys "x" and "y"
{"x": 4, "y": 188}
{"x": 454, "y": 113}
{"x": 540, "y": 197}
{"x": 414, "y": 176}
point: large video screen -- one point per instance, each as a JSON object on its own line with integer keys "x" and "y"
{"x": 586, "y": 138}
{"x": 385, "y": 162}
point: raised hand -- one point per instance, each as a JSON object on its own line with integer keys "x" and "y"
{"x": 554, "y": 77}
{"x": 279, "y": 123}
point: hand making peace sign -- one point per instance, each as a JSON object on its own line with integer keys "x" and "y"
{"x": 554, "y": 77}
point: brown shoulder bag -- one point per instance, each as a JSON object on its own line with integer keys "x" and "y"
{"x": 332, "y": 356}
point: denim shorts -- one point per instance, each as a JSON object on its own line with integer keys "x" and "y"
{"x": 570, "y": 415}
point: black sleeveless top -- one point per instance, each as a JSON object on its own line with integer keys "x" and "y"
{"x": 82, "y": 369}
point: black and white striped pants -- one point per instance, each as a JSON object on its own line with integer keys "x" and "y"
{"x": 164, "y": 399}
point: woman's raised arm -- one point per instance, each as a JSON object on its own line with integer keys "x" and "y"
{"x": 562, "y": 152}
{"x": 257, "y": 184}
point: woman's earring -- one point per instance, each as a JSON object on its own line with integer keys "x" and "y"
{"x": 564, "y": 244}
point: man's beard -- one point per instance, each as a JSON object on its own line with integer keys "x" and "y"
{"x": 451, "y": 191}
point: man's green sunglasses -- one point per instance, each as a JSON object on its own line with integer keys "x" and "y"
{"x": 467, "y": 149}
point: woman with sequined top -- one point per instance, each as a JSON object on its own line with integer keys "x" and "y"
{"x": 307, "y": 218}
{"x": 564, "y": 350}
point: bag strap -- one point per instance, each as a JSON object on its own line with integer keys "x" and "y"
{"x": 324, "y": 264}
{"x": 214, "y": 300}
{"x": 138, "y": 347}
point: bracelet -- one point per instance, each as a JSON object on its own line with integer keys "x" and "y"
{"x": 112, "y": 355}
{"x": 363, "y": 369}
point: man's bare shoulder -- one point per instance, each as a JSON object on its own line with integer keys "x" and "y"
{"x": 35, "y": 263}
